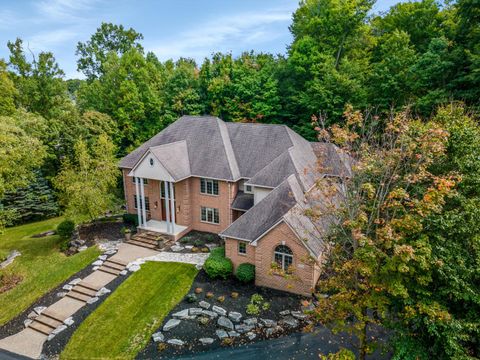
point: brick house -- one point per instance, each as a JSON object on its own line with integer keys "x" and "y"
{"x": 249, "y": 183}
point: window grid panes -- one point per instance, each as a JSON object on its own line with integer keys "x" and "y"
{"x": 209, "y": 186}
{"x": 283, "y": 257}
{"x": 145, "y": 181}
{"x": 242, "y": 248}
{"x": 147, "y": 202}
{"x": 210, "y": 215}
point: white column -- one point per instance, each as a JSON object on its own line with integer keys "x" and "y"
{"x": 137, "y": 193}
{"x": 167, "y": 205}
{"x": 144, "y": 211}
{"x": 172, "y": 207}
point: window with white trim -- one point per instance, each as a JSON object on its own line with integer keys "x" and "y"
{"x": 242, "y": 247}
{"x": 283, "y": 257}
{"x": 147, "y": 202}
{"x": 248, "y": 189}
{"x": 209, "y": 215}
{"x": 145, "y": 181}
{"x": 208, "y": 186}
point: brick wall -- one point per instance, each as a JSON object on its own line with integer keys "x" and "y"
{"x": 231, "y": 251}
{"x": 222, "y": 202}
{"x": 302, "y": 279}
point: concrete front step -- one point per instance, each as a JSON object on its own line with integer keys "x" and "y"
{"x": 145, "y": 240}
{"x": 45, "y": 320}
{"x": 113, "y": 265}
{"x": 116, "y": 261}
{"x": 84, "y": 291}
{"x": 78, "y": 296}
{"x": 141, "y": 244}
{"x": 109, "y": 270}
{"x": 53, "y": 315}
{"x": 88, "y": 286}
{"x": 41, "y": 328}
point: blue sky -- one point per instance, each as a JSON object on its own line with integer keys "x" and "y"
{"x": 171, "y": 28}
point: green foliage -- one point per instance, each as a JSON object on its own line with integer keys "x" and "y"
{"x": 218, "y": 252}
{"x": 65, "y": 229}
{"x": 256, "y": 305}
{"x": 191, "y": 298}
{"x": 245, "y": 272}
{"x": 130, "y": 219}
{"x": 85, "y": 183}
{"x": 217, "y": 265}
{"x": 32, "y": 203}
{"x": 108, "y": 39}
{"x": 343, "y": 354}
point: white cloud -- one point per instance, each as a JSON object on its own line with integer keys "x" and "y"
{"x": 242, "y": 30}
{"x": 49, "y": 39}
{"x": 64, "y": 10}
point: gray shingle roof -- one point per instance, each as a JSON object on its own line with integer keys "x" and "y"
{"x": 242, "y": 201}
{"x": 174, "y": 157}
{"x": 260, "y": 218}
{"x": 205, "y": 143}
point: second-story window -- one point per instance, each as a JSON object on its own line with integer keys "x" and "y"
{"x": 209, "y": 186}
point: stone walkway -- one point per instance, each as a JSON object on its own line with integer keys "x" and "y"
{"x": 29, "y": 342}
{"x": 195, "y": 259}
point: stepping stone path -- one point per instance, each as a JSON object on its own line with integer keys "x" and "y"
{"x": 222, "y": 334}
{"x": 290, "y": 322}
{"x": 203, "y": 304}
{"x": 158, "y": 337}
{"x": 176, "y": 342}
{"x": 251, "y": 321}
{"x": 235, "y": 316}
{"x": 210, "y": 313}
{"x": 219, "y": 310}
{"x": 206, "y": 341}
{"x": 268, "y": 322}
{"x": 171, "y": 324}
{"x": 225, "y": 322}
{"x": 181, "y": 314}
{"x": 299, "y": 315}
{"x": 195, "y": 311}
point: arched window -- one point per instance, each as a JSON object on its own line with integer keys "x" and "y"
{"x": 283, "y": 257}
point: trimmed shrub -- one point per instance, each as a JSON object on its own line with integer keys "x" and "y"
{"x": 217, "y": 265}
{"x": 191, "y": 298}
{"x": 219, "y": 251}
{"x": 245, "y": 272}
{"x": 130, "y": 219}
{"x": 65, "y": 229}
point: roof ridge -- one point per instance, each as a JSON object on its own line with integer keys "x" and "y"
{"x": 227, "y": 145}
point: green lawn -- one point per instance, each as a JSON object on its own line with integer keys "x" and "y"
{"x": 42, "y": 265}
{"x": 124, "y": 323}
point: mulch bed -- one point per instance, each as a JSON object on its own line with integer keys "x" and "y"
{"x": 53, "y": 348}
{"x": 9, "y": 281}
{"x": 190, "y": 331}
{"x": 108, "y": 230}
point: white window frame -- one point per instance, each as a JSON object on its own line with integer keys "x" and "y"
{"x": 147, "y": 202}
{"x": 205, "y": 182}
{"x": 145, "y": 181}
{"x": 283, "y": 256}
{"x": 246, "y": 191}
{"x": 209, "y": 211}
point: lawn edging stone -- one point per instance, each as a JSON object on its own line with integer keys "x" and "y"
{"x": 171, "y": 324}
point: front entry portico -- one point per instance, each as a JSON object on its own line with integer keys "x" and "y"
{"x": 165, "y": 225}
